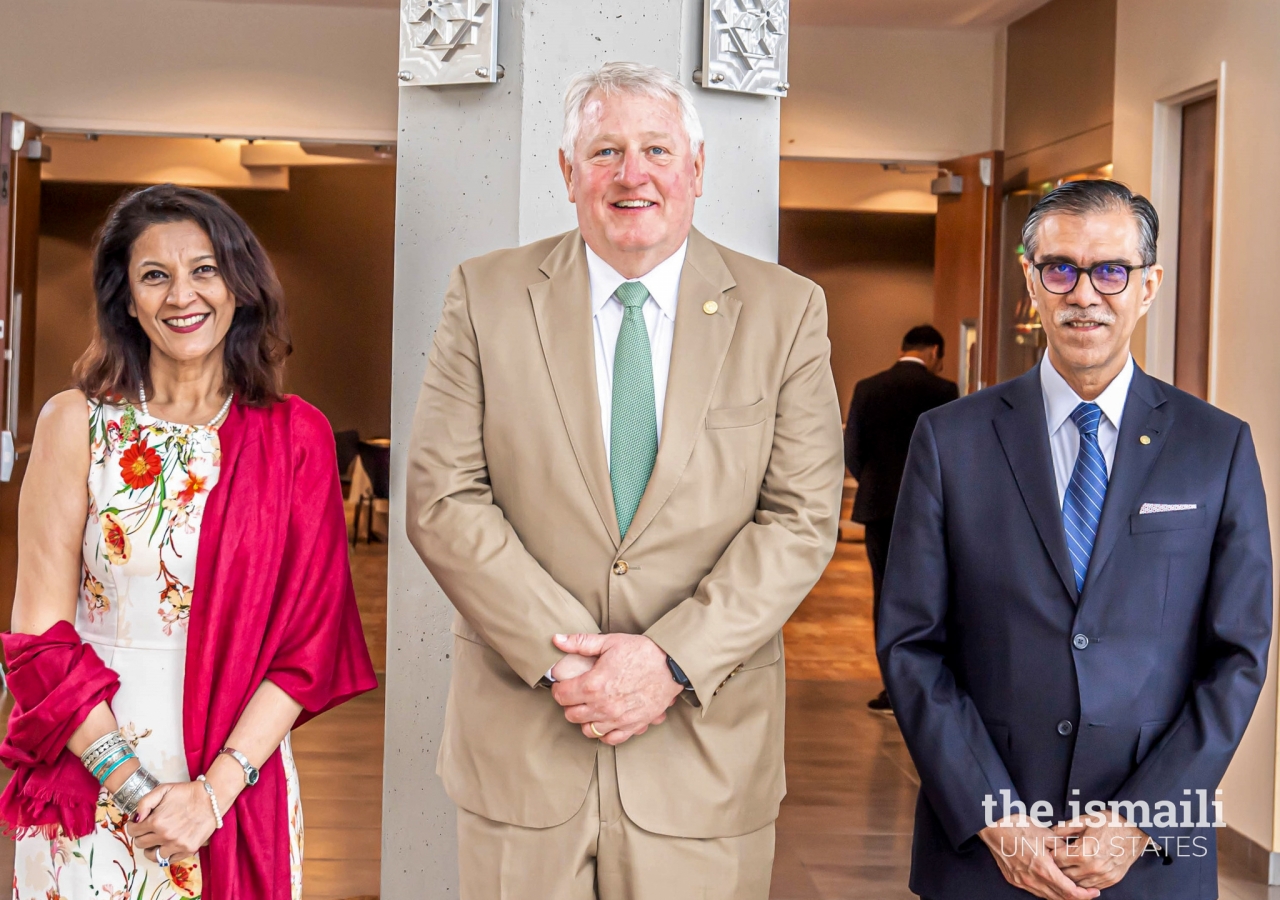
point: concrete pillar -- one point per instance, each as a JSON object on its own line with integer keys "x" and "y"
{"x": 477, "y": 171}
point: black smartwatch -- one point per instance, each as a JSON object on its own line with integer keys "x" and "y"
{"x": 678, "y": 675}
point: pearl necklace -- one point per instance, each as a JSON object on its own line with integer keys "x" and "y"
{"x": 142, "y": 401}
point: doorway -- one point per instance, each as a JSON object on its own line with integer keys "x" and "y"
{"x": 325, "y": 215}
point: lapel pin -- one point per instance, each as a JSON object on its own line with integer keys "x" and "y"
{"x": 1144, "y": 440}
{"x": 710, "y": 307}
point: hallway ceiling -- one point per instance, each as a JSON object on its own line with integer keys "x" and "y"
{"x": 911, "y": 14}
{"x": 359, "y": 4}
{"x": 866, "y": 13}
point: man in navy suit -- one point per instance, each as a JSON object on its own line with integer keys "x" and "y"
{"x": 1077, "y": 606}
{"x": 877, "y": 436}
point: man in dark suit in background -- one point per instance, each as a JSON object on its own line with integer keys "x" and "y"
{"x": 877, "y": 436}
{"x": 1077, "y": 609}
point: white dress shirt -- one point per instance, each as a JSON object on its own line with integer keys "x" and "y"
{"x": 663, "y": 284}
{"x": 1064, "y": 438}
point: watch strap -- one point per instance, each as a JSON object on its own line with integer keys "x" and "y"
{"x": 250, "y": 770}
{"x": 678, "y": 675}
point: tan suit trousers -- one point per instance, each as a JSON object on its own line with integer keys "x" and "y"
{"x": 600, "y": 854}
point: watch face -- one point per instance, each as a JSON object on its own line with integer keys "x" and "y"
{"x": 251, "y": 776}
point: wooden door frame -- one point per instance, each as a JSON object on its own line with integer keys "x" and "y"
{"x": 1166, "y": 196}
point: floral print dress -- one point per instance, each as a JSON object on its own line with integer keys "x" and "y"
{"x": 148, "y": 483}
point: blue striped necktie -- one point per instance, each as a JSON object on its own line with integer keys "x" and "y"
{"x": 1082, "y": 506}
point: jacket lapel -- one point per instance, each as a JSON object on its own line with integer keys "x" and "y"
{"x": 697, "y": 353}
{"x": 1024, "y": 435}
{"x": 1145, "y": 413}
{"x": 562, "y": 310}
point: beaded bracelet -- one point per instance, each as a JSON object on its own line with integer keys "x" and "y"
{"x": 213, "y": 799}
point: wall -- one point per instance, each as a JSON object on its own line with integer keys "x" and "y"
{"x": 1166, "y": 47}
{"x": 201, "y": 67}
{"x": 877, "y": 272}
{"x": 331, "y": 239}
{"x": 854, "y": 186}
{"x": 890, "y": 94}
{"x": 1059, "y": 90}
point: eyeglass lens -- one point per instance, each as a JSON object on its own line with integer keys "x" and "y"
{"x": 1061, "y": 278}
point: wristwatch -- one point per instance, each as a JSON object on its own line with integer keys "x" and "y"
{"x": 250, "y": 773}
{"x": 678, "y": 675}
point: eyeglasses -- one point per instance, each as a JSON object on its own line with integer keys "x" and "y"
{"x": 1062, "y": 278}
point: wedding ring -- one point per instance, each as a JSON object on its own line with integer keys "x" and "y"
{"x": 592, "y": 726}
{"x": 162, "y": 860}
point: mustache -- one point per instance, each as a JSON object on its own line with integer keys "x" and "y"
{"x": 1098, "y": 315}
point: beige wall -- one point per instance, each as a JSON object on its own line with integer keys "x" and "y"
{"x": 877, "y": 272}
{"x": 331, "y": 239}
{"x": 1166, "y": 47}
{"x": 200, "y": 67}
{"x": 885, "y": 93}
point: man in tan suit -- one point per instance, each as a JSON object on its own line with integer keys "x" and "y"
{"x": 625, "y": 474}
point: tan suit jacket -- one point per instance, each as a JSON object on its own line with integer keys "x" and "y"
{"x": 510, "y": 506}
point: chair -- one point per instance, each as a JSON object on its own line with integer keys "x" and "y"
{"x": 375, "y": 458}
{"x": 348, "y": 448}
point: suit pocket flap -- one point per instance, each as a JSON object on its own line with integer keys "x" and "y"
{"x": 1167, "y": 521}
{"x": 737, "y": 416}
{"x": 462, "y": 628}
{"x": 767, "y": 655}
{"x": 1148, "y": 734}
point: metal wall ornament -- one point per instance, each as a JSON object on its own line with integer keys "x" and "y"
{"x": 745, "y": 46}
{"x": 449, "y": 42}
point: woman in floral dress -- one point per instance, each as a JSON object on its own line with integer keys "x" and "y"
{"x": 193, "y": 672}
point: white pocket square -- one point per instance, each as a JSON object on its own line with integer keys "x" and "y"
{"x": 1149, "y": 508}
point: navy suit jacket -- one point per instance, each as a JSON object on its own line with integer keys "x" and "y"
{"x": 1003, "y": 677}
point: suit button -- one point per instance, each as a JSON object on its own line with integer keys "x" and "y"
{"x": 620, "y": 567}
{"x": 1080, "y": 641}
{"x": 1065, "y": 727}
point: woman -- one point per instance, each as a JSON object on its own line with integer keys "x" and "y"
{"x": 133, "y": 669}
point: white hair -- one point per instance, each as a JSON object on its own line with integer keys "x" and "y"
{"x": 630, "y": 78}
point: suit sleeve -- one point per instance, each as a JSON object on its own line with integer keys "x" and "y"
{"x": 452, "y": 521}
{"x": 958, "y": 763}
{"x": 852, "y": 444}
{"x": 1234, "y": 641}
{"x": 773, "y": 562}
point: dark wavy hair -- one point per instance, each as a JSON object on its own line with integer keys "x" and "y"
{"x": 257, "y": 343}
{"x": 1090, "y": 196}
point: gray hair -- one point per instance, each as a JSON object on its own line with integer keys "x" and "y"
{"x": 630, "y": 78}
{"x": 1082, "y": 198}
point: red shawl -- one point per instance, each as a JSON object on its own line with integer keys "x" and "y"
{"x": 272, "y": 599}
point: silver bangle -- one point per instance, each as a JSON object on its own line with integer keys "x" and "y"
{"x": 138, "y": 785}
{"x": 102, "y": 748}
{"x": 213, "y": 799}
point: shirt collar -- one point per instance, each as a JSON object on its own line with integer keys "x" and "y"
{"x": 1060, "y": 400}
{"x": 662, "y": 281}
{"x": 912, "y": 359}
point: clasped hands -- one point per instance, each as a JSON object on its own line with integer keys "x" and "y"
{"x": 613, "y": 685}
{"x": 175, "y": 820}
{"x": 1072, "y": 861}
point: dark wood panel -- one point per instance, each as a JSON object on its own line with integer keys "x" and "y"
{"x": 19, "y": 271}
{"x": 1060, "y": 74}
{"x": 1195, "y": 246}
{"x": 965, "y": 259}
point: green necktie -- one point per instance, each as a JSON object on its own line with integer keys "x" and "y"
{"x": 633, "y": 431}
